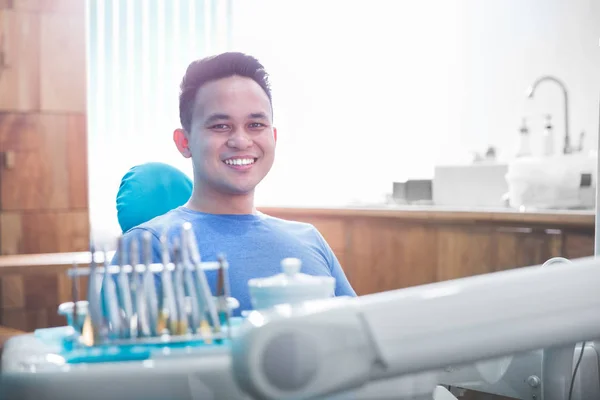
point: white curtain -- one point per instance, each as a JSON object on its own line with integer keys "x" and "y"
{"x": 138, "y": 51}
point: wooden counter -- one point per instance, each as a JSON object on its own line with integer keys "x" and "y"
{"x": 379, "y": 249}
{"x": 41, "y": 262}
{"x": 583, "y": 218}
{"x": 395, "y": 247}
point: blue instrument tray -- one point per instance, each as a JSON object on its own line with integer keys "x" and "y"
{"x": 136, "y": 350}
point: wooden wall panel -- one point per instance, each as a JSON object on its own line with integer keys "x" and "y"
{"x": 43, "y": 191}
{"x": 45, "y": 232}
{"x": 39, "y": 177}
{"x": 51, "y": 6}
{"x": 50, "y": 170}
{"x": 77, "y": 152}
{"x": 19, "y": 83}
{"x": 11, "y": 233}
{"x": 17, "y": 133}
{"x": 62, "y": 79}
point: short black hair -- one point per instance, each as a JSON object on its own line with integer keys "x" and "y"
{"x": 212, "y": 68}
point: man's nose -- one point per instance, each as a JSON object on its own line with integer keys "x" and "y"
{"x": 239, "y": 140}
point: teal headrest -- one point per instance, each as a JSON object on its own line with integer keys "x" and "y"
{"x": 149, "y": 190}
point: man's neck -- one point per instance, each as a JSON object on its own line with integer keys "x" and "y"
{"x": 211, "y": 202}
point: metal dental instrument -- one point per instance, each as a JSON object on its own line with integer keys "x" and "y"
{"x": 168, "y": 306}
{"x": 124, "y": 290}
{"x": 75, "y": 296}
{"x": 94, "y": 301}
{"x": 182, "y": 322}
{"x": 149, "y": 284}
{"x": 110, "y": 302}
{"x": 137, "y": 292}
{"x": 201, "y": 281}
{"x": 189, "y": 281}
{"x": 223, "y": 293}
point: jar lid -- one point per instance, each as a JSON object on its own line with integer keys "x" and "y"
{"x": 290, "y": 277}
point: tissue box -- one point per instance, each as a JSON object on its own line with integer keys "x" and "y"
{"x": 476, "y": 185}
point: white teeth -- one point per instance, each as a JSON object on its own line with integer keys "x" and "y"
{"x": 239, "y": 161}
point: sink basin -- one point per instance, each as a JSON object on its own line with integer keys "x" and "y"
{"x": 562, "y": 181}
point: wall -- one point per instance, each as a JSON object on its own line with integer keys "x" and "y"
{"x": 382, "y": 91}
{"x": 43, "y": 178}
{"x": 507, "y": 45}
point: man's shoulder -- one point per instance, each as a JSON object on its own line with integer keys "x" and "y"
{"x": 160, "y": 224}
{"x": 304, "y": 231}
{"x": 290, "y": 225}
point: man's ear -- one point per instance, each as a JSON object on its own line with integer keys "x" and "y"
{"x": 182, "y": 143}
{"x": 275, "y": 134}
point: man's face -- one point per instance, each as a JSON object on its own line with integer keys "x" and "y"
{"x": 232, "y": 140}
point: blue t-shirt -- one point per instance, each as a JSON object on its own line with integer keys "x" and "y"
{"x": 253, "y": 244}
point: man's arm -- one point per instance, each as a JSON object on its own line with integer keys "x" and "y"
{"x": 342, "y": 285}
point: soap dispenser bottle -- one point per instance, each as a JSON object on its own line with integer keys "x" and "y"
{"x": 548, "y": 138}
{"x": 524, "y": 141}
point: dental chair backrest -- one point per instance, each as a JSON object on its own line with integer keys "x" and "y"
{"x": 150, "y": 190}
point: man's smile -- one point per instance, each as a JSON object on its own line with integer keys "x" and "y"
{"x": 240, "y": 163}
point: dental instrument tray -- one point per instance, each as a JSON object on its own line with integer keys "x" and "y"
{"x": 140, "y": 310}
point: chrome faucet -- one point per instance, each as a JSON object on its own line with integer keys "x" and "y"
{"x": 530, "y": 92}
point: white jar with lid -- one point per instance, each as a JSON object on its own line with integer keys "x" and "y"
{"x": 289, "y": 287}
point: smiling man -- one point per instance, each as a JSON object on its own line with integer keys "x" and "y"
{"x": 227, "y": 131}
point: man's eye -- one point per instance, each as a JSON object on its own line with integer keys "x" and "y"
{"x": 256, "y": 125}
{"x": 219, "y": 127}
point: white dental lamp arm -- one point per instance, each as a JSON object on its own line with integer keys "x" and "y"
{"x": 338, "y": 344}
